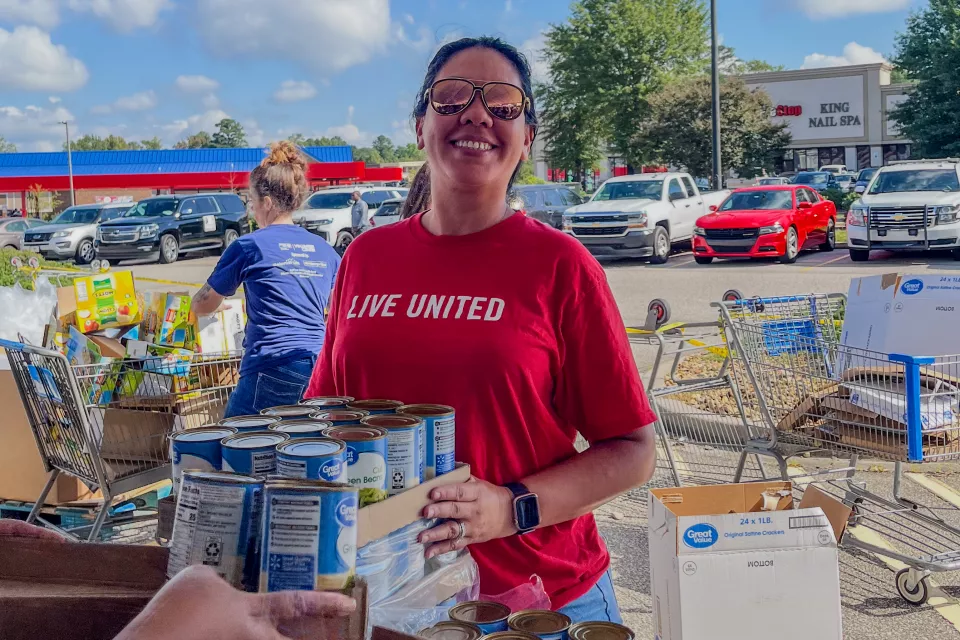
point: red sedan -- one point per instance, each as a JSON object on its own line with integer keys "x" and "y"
{"x": 766, "y": 222}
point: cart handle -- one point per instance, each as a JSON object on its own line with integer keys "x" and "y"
{"x": 746, "y": 302}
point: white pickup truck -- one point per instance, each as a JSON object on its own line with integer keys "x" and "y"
{"x": 640, "y": 216}
{"x": 911, "y": 205}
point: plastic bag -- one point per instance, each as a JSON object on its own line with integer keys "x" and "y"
{"x": 425, "y": 602}
{"x": 26, "y": 313}
{"x": 391, "y": 562}
{"x": 530, "y": 595}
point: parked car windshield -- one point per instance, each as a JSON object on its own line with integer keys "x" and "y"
{"x": 758, "y": 200}
{"x": 150, "y": 208}
{"x": 77, "y": 215}
{"x": 389, "y": 209}
{"x": 771, "y": 181}
{"x": 812, "y": 178}
{"x": 866, "y": 174}
{"x": 843, "y": 178}
{"x": 636, "y": 190}
{"x": 916, "y": 180}
{"x": 330, "y": 201}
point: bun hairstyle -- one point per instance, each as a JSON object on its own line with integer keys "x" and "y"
{"x": 447, "y": 51}
{"x": 282, "y": 176}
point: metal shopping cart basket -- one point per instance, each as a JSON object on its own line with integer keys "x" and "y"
{"x": 701, "y": 427}
{"x": 108, "y": 423}
{"x": 804, "y": 391}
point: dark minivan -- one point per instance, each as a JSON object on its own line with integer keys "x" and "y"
{"x": 163, "y": 227}
{"x": 547, "y": 202}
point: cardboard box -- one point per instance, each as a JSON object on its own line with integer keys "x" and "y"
{"x": 133, "y": 436}
{"x": 224, "y": 331}
{"x": 735, "y": 561}
{"x": 375, "y": 521}
{"x": 914, "y": 315}
{"x": 106, "y": 300}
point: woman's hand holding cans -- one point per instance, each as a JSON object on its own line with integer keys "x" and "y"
{"x": 476, "y": 511}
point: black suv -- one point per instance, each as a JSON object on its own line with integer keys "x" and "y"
{"x": 547, "y": 202}
{"x": 163, "y": 227}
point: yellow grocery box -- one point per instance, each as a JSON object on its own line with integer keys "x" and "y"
{"x": 106, "y": 300}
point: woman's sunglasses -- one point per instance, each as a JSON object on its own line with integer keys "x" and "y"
{"x": 504, "y": 101}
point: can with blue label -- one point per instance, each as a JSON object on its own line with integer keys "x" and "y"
{"x": 252, "y": 454}
{"x": 328, "y": 403}
{"x": 342, "y": 417}
{"x": 313, "y": 459}
{"x": 246, "y": 424}
{"x": 197, "y": 450}
{"x": 375, "y": 407}
{"x": 405, "y": 450}
{"x": 302, "y": 428}
{"x": 309, "y": 536}
{"x": 217, "y": 524}
{"x": 441, "y": 436}
{"x": 290, "y": 412}
{"x": 366, "y": 460}
{"x": 491, "y": 617}
{"x": 546, "y": 625}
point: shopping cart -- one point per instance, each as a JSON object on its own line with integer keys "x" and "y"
{"x": 803, "y": 391}
{"x": 108, "y": 423}
{"x": 701, "y": 427}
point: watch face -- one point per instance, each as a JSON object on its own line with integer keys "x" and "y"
{"x": 527, "y": 511}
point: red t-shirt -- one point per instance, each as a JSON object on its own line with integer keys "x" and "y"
{"x": 516, "y": 328}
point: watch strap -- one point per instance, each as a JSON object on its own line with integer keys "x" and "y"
{"x": 517, "y": 488}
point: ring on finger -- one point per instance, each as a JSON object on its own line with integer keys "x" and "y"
{"x": 462, "y": 532}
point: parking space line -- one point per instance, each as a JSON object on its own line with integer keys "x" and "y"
{"x": 823, "y": 264}
{"x": 934, "y": 486}
{"x": 680, "y": 264}
{"x": 178, "y": 283}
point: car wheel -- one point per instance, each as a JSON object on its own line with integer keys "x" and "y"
{"x": 831, "y": 242}
{"x": 793, "y": 247}
{"x": 859, "y": 255}
{"x": 85, "y": 252}
{"x": 169, "y": 249}
{"x": 703, "y": 259}
{"x": 661, "y": 246}
{"x": 344, "y": 238}
{"x": 229, "y": 237}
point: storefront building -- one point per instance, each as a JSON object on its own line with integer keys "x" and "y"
{"x": 836, "y": 115}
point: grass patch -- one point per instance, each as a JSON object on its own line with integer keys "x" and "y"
{"x": 841, "y": 235}
{"x": 10, "y": 275}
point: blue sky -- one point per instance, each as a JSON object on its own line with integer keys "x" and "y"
{"x": 168, "y": 68}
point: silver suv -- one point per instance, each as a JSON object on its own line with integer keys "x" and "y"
{"x": 71, "y": 234}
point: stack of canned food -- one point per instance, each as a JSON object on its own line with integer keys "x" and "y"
{"x": 381, "y": 447}
{"x": 494, "y": 621}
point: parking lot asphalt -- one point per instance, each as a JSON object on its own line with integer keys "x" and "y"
{"x": 871, "y": 607}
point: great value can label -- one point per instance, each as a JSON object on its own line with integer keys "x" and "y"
{"x": 439, "y": 438}
{"x": 197, "y": 450}
{"x": 252, "y": 454}
{"x": 310, "y": 536}
{"x": 366, "y": 460}
{"x": 217, "y": 524}
{"x": 405, "y": 450}
{"x": 313, "y": 459}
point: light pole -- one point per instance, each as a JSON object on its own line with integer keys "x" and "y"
{"x": 715, "y": 69}
{"x": 69, "y": 162}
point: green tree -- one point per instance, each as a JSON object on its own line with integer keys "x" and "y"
{"x": 384, "y": 146}
{"x": 335, "y": 141}
{"x": 152, "y": 144}
{"x": 572, "y": 136}
{"x": 410, "y": 153}
{"x": 96, "y": 143}
{"x": 367, "y": 155}
{"x": 927, "y": 53}
{"x": 229, "y": 135}
{"x": 677, "y": 129}
{"x": 526, "y": 175}
{"x": 730, "y": 64}
{"x": 7, "y": 147}
{"x": 611, "y": 54}
{"x": 199, "y": 140}
{"x": 298, "y": 139}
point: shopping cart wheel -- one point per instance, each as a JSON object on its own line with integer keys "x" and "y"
{"x": 732, "y": 295}
{"x": 662, "y": 310}
{"x": 917, "y": 594}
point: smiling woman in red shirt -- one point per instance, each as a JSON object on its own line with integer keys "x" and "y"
{"x": 512, "y": 323}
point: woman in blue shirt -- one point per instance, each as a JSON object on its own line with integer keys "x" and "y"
{"x": 287, "y": 274}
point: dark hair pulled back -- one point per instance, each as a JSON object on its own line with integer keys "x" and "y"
{"x": 282, "y": 177}
{"x": 446, "y": 52}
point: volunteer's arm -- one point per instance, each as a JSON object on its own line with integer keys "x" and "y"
{"x": 206, "y": 301}
{"x": 222, "y": 283}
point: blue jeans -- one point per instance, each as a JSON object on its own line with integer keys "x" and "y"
{"x": 270, "y": 388}
{"x": 597, "y": 605}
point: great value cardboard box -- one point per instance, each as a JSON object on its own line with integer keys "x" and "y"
{"x": 737, "y": 562}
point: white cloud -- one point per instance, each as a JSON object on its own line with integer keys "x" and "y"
{"x": 294, "y": 91}
{"x": 196, "y": 84}
{"x": 408, "y": 18}
{"x": 853, "y": 53}
{"x": 210, "y": 101}
{"x": 123, "y": 15}
{"x": 351, "y": 31}
{"x": 101, "y": 109}
{"x": 54, "y": 99}
{"x": 206, "y": 121}
{"x": 256, "y": 137}
{"x": 533, "y": 48}
{"x": 825, "y": 9}
{"x": 403, "y": 132}
{"x": 34, "y": 128}
{"x": 137, "y": 102}
{"x": 422, "y": 42}
{"x": 508, "y": 6}
{"x": 30, "y": 61}
{"x": 349, "y": 131}
{"x": 42, "y": 13}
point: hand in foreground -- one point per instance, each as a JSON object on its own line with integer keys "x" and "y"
{"x": 19, "y": 529}
{"x": 198, "y": 605}
{"x": 484, "y": 510}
